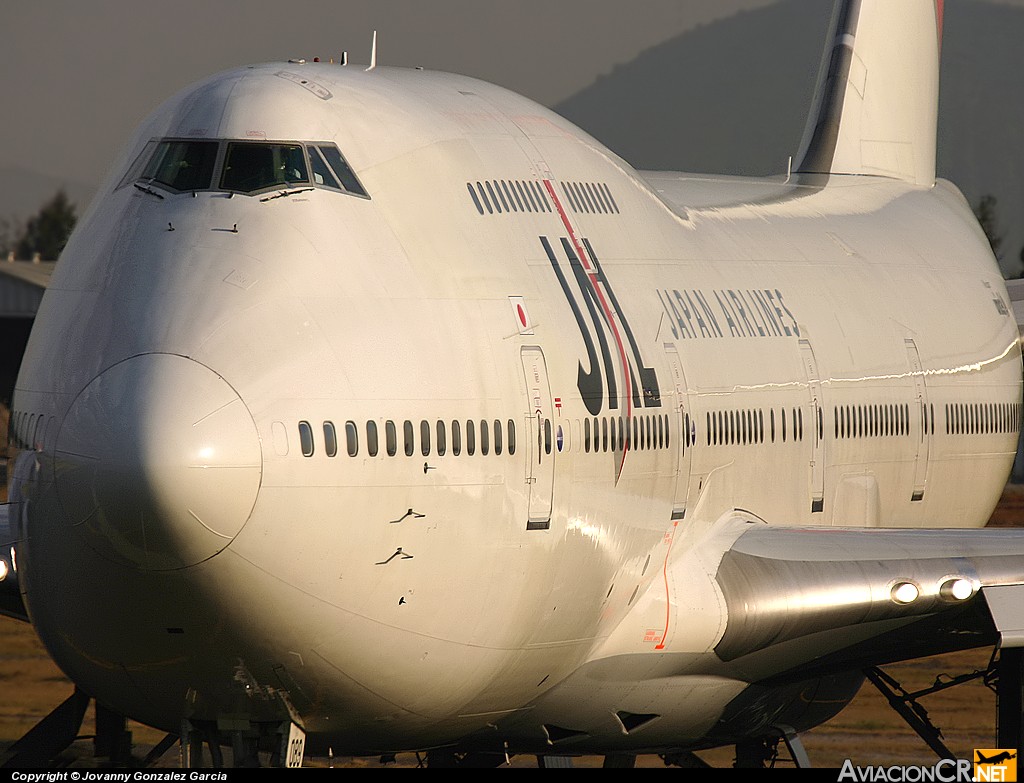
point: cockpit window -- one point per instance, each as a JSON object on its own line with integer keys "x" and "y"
{"x": 247, "y": 167}
{"x": 250, "y": 166}
{"x": 321, "y": 171}
{"x": 182, "y": 165}
{"x": 341, "y": 168}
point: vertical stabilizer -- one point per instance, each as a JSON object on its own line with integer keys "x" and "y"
{"x": 876, "y": 105}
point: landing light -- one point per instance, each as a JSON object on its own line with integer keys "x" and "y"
{"x": 3, "y": 570}
{"x": 956, "y": 589}
{"x": 905, "y": 592}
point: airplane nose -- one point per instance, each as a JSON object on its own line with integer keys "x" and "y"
{"x": 158, "y": 463}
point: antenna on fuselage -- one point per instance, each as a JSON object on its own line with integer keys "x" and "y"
{"x": 344, "y": 58}
{"x": 373, "y": 53}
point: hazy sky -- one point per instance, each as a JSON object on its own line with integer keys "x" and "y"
{"x": 76, "y": 77}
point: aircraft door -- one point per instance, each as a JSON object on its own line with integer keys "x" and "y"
{"x": 538, "y": 451}
{"x": 682, "y": 425}
{"x": 815, "y": 427}
{"x": 923, "y": 444}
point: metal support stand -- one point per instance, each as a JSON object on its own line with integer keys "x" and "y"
{"x": 112, "y": 740}
{"x": 907, "y": 705}
{"x": 795, "y": 746}
{"x": 159, "y": 750}
{"x": 51, "y": 736}
{"x": 191, "y": 746}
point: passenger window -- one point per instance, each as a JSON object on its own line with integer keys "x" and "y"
{"x": 456, "y": 437}
{"x": 586, "y": 435}
{"x": 330, "y": 440}
{"x": 306, "y": 438}
{"x": 484, "y": 439}
{"x": 182, "y": 165}
{"x": 547, "y": 436}
{"x": 442, "y": 445}
{"x": 511, "y": 437}
{"x": 425, "y": 438}
{"x": 470, "y": 439}
{"x": 410, "y": 438}
{"x": 371, "y": 438}
{"x": 390, "y": 438}
{"x": 351, "y": 438}
{"x": 497, "y": 437}
{"x": 251, "y": 166}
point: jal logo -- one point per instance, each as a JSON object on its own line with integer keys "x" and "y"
{"x": 615, "y": 371}
{"x": 995, "y": 764}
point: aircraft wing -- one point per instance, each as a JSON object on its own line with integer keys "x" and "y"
{"x": 803, "y": 600}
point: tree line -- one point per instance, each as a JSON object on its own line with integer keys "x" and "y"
{"x": 45, "y": 233}
{"x": 986, "y": 212}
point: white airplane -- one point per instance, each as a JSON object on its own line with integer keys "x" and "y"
{"x": 387, "y": 411}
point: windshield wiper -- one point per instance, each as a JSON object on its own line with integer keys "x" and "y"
{"x": 150, "y": 191}
{"x": 284, "y": 193}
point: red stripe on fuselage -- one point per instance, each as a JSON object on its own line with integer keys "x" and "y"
{"x": 590, "y": 270}
{"x": 668, "y": 597}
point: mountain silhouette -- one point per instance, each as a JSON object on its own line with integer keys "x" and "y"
{"x": 732, "y": 97}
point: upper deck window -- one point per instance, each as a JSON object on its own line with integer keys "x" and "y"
{"x": 182, "y": 165}
{"x": 252, "y": 166}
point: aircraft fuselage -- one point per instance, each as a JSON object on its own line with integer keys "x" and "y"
{"x": 396, "y": 466}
